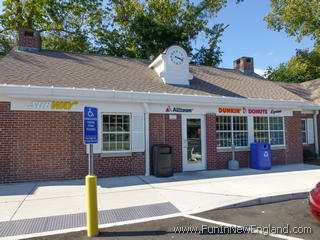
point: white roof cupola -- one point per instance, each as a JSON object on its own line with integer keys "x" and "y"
{"x": 172, "y": 66}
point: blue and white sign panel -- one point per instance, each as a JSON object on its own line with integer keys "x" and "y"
{"x": 90, "y": 125}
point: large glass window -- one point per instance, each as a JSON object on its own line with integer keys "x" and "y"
{"x": 232, "y": 129}
{"x": 116, "y": 132}
{"x": 269, "y": 129}
{"x": 276, "y": 131}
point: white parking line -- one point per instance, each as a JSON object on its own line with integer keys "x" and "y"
{"x": 238, "y": 226}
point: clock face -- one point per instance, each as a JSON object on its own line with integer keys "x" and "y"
{"x": 177, "y": 56}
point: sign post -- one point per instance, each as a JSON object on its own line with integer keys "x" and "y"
{"x": 90, "y": 133}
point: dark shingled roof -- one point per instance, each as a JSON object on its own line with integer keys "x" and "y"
{"x": 309, "y": 90}
{"x": 61, "y": 69}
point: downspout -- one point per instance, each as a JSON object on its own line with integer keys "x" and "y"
{"x": 147, "y": 144}
{"x": 315, "y": 127}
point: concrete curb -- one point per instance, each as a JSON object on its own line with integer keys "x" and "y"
{"x": 252, "y": 202}
{"x": 266, "y": 200}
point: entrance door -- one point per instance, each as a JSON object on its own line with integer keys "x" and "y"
{"x": 193, "y": 142}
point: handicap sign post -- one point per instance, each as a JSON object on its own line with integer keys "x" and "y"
{"x": 90, "y": 136}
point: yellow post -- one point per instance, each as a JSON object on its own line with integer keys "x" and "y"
{"x": 92, "y": 206}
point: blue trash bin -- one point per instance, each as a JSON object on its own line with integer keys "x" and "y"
{"x": 260, "y": 155}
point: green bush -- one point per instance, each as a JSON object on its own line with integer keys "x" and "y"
{"x": 309, "y": 155}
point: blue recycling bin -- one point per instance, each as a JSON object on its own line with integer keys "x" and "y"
{"x": 260, "y": 155}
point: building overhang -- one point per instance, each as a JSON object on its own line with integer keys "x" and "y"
{"x": 92, "y": 94}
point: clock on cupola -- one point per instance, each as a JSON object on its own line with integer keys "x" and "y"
{"x": 172, "y": 66}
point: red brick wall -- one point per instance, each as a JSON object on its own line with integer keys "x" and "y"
{"x": 167, "y": 131}
{"x": 48, "y": 146}
{"x": 306, "y": 115}
{"x": 161, "y": 133}
{"x": 211, "y": 141}
{"x": 278, "y": 158}
{"x": 222, "y": 159}
{"x": 120, "y": 166}
{"x": 6, "y": 129}
{"x": 29, "y": 41}
{"x": 294, "y": 152}
{"x": 173, "y": 138}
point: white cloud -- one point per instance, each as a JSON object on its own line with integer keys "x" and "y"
{"x": 260, "y": 71}
{"x": 269, "y": 53}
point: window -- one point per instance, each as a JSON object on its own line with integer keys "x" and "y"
{"x": 232, "y": 129}
{"x": 116, "y": 133}
{"x": 269, "y": 129}
{"x": 307, "y": 130}
{"x": 261, "y": 129}
{"x": 304, "y": 131}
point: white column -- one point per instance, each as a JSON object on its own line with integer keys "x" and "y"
{"x": 315, "y": 128}
{"x": 147, "y": 144}
{"x": 250, "y": 130}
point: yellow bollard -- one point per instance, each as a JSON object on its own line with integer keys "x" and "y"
{"x": 92, "y": 206}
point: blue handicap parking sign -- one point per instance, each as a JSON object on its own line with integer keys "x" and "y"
{"x": 90, "y": 125}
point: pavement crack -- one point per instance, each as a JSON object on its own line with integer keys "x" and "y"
{"x": 31, "y": 191}
{"x": 220, "y": 194}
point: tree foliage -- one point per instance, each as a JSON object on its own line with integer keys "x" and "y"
{"x": 298, "y": 18}
{"x": 304, "y": 66}
{"x": 65, "y": 25}
{"x": 6, "y": 44}
{"x": 144, "y": 29}
{"x": 133, "y": 28}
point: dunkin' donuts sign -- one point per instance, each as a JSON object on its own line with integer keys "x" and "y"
{"x": 250, "y": 111}
{"x": 254, "y": 111}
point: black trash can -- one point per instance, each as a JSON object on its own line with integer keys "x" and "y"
{"x": 162, "y": 160}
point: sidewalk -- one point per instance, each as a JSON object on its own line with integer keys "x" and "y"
{"x": 187, "y": 193}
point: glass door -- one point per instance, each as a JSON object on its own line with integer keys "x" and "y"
{"x": 193, "y": 143}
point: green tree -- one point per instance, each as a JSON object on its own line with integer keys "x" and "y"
{"x": 65, "y": 25}
{"x": 132, "y": 28}
{"x": 143, "y": 29}
{"x": 299, "y": 18}
{"x": 6, "y": 44}
{"x": 304, "y": 66}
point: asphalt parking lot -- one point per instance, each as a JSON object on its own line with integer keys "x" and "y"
{"x": 293, "y": 215}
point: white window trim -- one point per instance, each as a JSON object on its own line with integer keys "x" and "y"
{"x": 306, "y": 130}
{"x": 262, "y": 131}
{"x": 234, "y": 131}
{"x": 102, "y": 132}
{"x": 269, "y": 131}
{"x": 251, "y": 136}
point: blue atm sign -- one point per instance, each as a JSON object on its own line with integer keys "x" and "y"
{"x": 90, "y": 125}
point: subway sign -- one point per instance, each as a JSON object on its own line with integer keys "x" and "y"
{"x": 52, "y": 105}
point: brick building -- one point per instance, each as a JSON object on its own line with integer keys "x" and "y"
{"x": 200, "y": 111}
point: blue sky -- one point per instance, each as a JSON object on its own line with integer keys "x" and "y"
{"x": 248, "y": 35}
